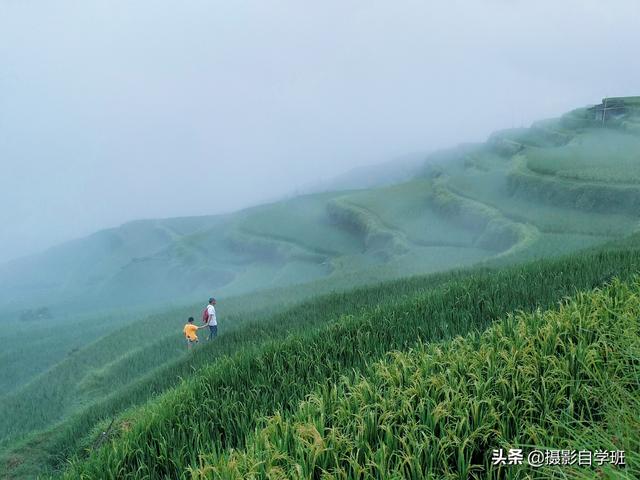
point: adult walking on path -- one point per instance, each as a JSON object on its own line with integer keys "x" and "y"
{"x": 211, "y": 319}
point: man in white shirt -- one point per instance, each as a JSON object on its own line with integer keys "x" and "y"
{"x": 211, "y": 319}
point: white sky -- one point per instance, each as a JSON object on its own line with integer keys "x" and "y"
{"x": 115, "y": 110}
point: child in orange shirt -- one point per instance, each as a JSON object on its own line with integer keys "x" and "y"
{"x": 190, "y": 333}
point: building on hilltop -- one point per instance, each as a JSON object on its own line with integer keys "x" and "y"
{"x": 614, "y": 107}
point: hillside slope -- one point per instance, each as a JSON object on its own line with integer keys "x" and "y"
{"x": 565, "y": 379}
{"x": 561, "y": 184}
{"x": 218, "y": 408}
{"x": 557, "y": 187}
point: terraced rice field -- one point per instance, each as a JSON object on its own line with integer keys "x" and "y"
{"x": 310, "y": 278}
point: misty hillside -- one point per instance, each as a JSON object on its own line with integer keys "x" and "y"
{"x": 419, "y": 221}
{"x": 290, "y": 275}
{"x": 559, "y": 185}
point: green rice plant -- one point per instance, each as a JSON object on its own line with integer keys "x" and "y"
{"x": 218, "y": 407}
{"x": 601, "y": 155}
{"x": 411, "y": 212}
{"x": 467, "y": 208}
{"x": 375, "y": 235}
{"x": 557, "y": 379}
{"x": 495, "y": 232}
{"x": 303, "y": 221}
{"x": 491, "y": 188}
{"x": 598, "y": 197}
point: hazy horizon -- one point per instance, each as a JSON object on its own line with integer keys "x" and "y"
{"x": 112, "y": 111}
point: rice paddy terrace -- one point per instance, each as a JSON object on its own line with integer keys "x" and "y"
{"x": 560, "y": 186}
{"x": 329, "y": 400}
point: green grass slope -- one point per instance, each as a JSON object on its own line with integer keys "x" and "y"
{"x": 525, "y": 194}
{"x": 565, "y": 379}
{"x": 218, "y": 407}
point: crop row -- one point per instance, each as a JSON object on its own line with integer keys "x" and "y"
{"x": 565, "y": 379}
{"x": 221, "y": 404}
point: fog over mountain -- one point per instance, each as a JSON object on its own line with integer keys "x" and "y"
{"x": 112, "y": 110}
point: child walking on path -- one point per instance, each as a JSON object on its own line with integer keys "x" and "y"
{"x": 190, "y": 333}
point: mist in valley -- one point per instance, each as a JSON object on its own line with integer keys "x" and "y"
{"x": 112, "y": 111}
{"x": 357, "y": 184}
